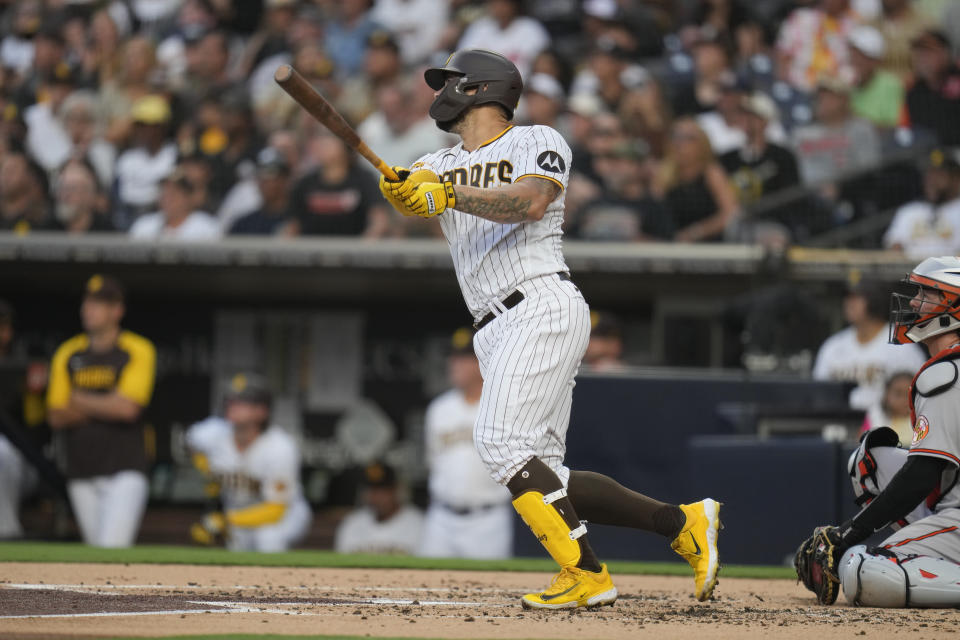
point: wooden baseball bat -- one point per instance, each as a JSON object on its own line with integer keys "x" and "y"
{"x": 317, "y": 106}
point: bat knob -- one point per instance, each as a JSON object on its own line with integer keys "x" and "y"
{"x": 283, "y": 73}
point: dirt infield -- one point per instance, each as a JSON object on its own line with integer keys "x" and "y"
{"x": 97, "y": 600}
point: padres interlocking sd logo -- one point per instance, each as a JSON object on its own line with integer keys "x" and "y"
{"x": 551, "y": 161}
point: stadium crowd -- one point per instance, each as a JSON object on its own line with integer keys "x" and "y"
{"x": 691, "y": 120}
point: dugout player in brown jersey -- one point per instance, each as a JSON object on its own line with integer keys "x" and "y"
{"x": 100, "y": 382}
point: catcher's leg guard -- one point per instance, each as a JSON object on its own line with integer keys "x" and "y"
{"x": 880, "y": 578}
{"x": 549, "y": 527}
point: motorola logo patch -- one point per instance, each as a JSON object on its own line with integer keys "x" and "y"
{"x": 551, "y": 161}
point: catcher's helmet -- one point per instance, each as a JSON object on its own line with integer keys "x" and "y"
{"x": 931, "y": 318}
{"x": 495, "y": 78}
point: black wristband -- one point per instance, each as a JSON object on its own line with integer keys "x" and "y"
{"x": 852, "y": 533}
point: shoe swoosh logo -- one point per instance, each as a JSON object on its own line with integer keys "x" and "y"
{"x": 557, "y": 595}
{"x": 697, "y": 546}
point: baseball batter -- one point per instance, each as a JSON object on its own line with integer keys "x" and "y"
{"x": 257, "y": 468}
{"x": 914, "y": 491}
{"x": 500, "y": 197}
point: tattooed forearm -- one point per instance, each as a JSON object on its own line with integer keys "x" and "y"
{"x": 519, "y": 202}
{"x": 495, "y": 205}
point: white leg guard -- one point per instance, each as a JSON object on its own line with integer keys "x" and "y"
{"x": 889, "y": 581}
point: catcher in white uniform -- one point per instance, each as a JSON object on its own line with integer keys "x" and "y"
{"x": 914, "y": 491}
{"x": 499, "y": 196}
{"x": 469, "y": 514}
{"x": 257, "y": 468}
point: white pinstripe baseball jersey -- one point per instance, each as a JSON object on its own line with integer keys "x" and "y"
{"x": 491, "y": 258}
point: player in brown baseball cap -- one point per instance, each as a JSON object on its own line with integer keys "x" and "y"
{"x": 101, "y": 381}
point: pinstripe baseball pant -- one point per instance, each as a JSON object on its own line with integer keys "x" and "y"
{"x": 529, "y": 356}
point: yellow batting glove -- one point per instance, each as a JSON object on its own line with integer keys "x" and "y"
{"x": 430, "y": 199}
{"x": 397, "y": 192}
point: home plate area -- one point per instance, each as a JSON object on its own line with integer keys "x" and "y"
{"x": 96, "y": 601}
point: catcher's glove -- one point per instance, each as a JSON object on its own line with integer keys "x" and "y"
{"x": 816, "y": 563}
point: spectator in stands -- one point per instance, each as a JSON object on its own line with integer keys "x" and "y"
{"x": 469, "y": 514}
{"x": 17, "y": 48}
{"x": 100, "y": 383}
{"x": 79, "y": 203}
{"x": 382, "y": 66}
{"x": 194, "y": 19}
{"x": 270, "y": 42}
{"x": 47, "y": 140}
{"x": 760, "y": 168}
{"x": 861, "y": 353}
{"x": 177, "y": 218}
{"x": 877, "y": 94}
{"x": 893, "y": 410}
{"x": 813, "y": 43}
{"x": 605, "y": 348}
{"x": 723, "y": 124}
{"x": 837, "y": 142}
{"x": 151, "y": 158}
{"x": 337, "y": 197}
{"x": 242, "y": 141}
{"x": 131, "y": 83}
{"x": 397, "y": 131}
{"x": 721, "y": 17}
{"x": 711, "y": 76}
{"x": 101, "y": 60}
{"x": 899, "y": 23}
{"x": 644, "y": 111}
{"x": 931, "y": 226}
{"x": 273, "y": 183}
{"x": 49, "y": 51}
{"x": 934, "y": 98}
{"x": 272, "y": 106}
{"x": 79, "y": 114}
{"x": 609, "y": 73}
{"x": 505, "y": 30}
{"x": 622, "y": 208}
{"x": 346, "y": 34}
{"x": 551, "y": 63}
{"x": 207, "y": 73}
{"x": 24, "y": 204}
{"x": 543, "y": 100}
{"x": 755, "y": 59}
{"x": 577, "y": 125}
{"x": 603, "y": 132}
{"x": 637, "y": 26}
{"x": 695, "y": 188}
{"x": 384, "y": 522}
{"x": 198, "y": 169}
{"x": 418, "y": 38}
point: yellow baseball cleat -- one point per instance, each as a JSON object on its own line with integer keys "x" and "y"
{"x": 697, "y": 544}
{"x": 572, "y": 588}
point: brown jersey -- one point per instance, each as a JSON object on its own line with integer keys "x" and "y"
{"x": 103, "y": 447}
